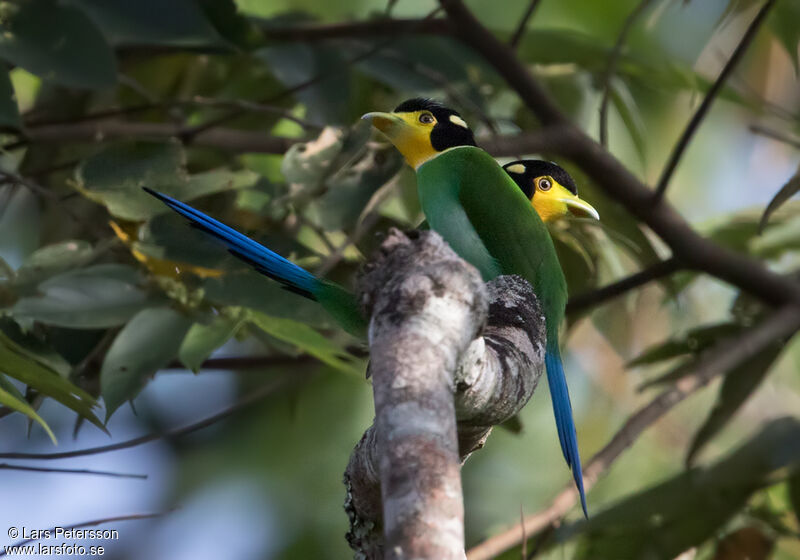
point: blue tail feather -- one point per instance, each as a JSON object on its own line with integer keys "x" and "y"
{"x": 267, "y": 262}
{"x": 559, "y": 393}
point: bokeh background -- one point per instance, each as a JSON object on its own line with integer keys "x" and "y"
{"x": 100, "y": 288}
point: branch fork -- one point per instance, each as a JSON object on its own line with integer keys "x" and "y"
{"x": 450, "y": 358}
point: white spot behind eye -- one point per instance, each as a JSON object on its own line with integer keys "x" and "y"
{"x": 455, "y": 119}
{"x": 516, "y": 168}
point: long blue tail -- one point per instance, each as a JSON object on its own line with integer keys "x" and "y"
{"x": 267, "y": 262}
{"x": 559, "y": 394}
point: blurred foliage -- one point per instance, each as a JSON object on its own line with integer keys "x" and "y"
{"x": 101, "y": 286}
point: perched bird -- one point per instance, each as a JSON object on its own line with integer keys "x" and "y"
{"x": 550, "y": 189}
{"x": 516, "y": 241}
{"x": 490, "y": 222}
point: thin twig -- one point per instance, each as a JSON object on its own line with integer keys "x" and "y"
{"x": 93, "y": 523}
{"x": 781, "y": 324}
{"x": 255, "y": 396}
{"x": 582, "y": 302}
{"x": 523, "y": 23}
{"x": 775, "y": 135}
{"x": 7, "y": 467}
{"x": 611, "y": 68}
{"x": 708, "y": 100}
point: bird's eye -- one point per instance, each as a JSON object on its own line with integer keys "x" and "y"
{"x": 544, "y": 184}
{"x": 426, "y": 118}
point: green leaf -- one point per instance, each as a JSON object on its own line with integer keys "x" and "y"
{"x": 56, "y": 42}
{"x": 783, "y": 22}
{"x": 96, "y": 297}
{"x": 328, "y": 99}
{"x": 9, "y": 111}
{"x": 307, "y": 340}
{"x": 695, "y": 341}
{"x": 686, "y": 510}
{"x": 148, "y": 342}
{"x": 202, "y": 340}
{"x": 52, "y": 259}
{"x": 349, "y": 191}
{"x": 14, "y": 403}
{"x": 115, "y": 176}
{"x": 628, "y": 111}
{"x": 15, "y": 363}
{"x": 738, "y": 385}
{"x": 176, "y": 23}
{"x": 35, "y": 348}
{"x": 785, "y": 193}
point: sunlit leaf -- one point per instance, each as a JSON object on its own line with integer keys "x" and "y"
{"x": 9, "y": 111}
{"x": 14, "y": 403}
{"x": 56, "y": 42}
{"x": 35, "y": 348}
{"x": 738, "y": 385}
{"x": 785, "y": 193}
{"x": 201, "y": 341}
{"x": 15, "y": 363}
{"x": 308, "y": 340}
{"x": 148, "y": 342}
{"x": 96, "y": 297}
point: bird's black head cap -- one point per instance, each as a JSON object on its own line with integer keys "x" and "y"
{"x": 450, "y": 129}
{"x": 538, "y": 168}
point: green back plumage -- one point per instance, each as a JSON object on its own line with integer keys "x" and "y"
{"x": 343, "y": 307}
{"x": 479, "y": 210}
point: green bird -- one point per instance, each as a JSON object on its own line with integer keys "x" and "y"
{"x": 544, "y": 187}
{"x": 486, "y": 218}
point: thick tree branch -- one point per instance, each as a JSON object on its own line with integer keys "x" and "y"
{"x": 429, "y": 370}
{"x": 781, "y": 324}
{"x": 619, "y": 183}
{"x": 708, "y": 100}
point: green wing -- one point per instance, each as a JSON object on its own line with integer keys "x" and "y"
{"x": 468, "y": 181}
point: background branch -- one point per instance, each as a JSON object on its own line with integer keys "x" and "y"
{"x": 708, "y": 100}
{"x": 253, "y": 397}
{"x": 28, "y": 468}
{"x": 583, "y": 302}
{"x": 781, "y": 324}
{"x": 619, "y": 183}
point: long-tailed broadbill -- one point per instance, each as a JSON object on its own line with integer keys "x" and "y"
{"x": 483, "y": 213}
{"x": 544, "y": 188}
